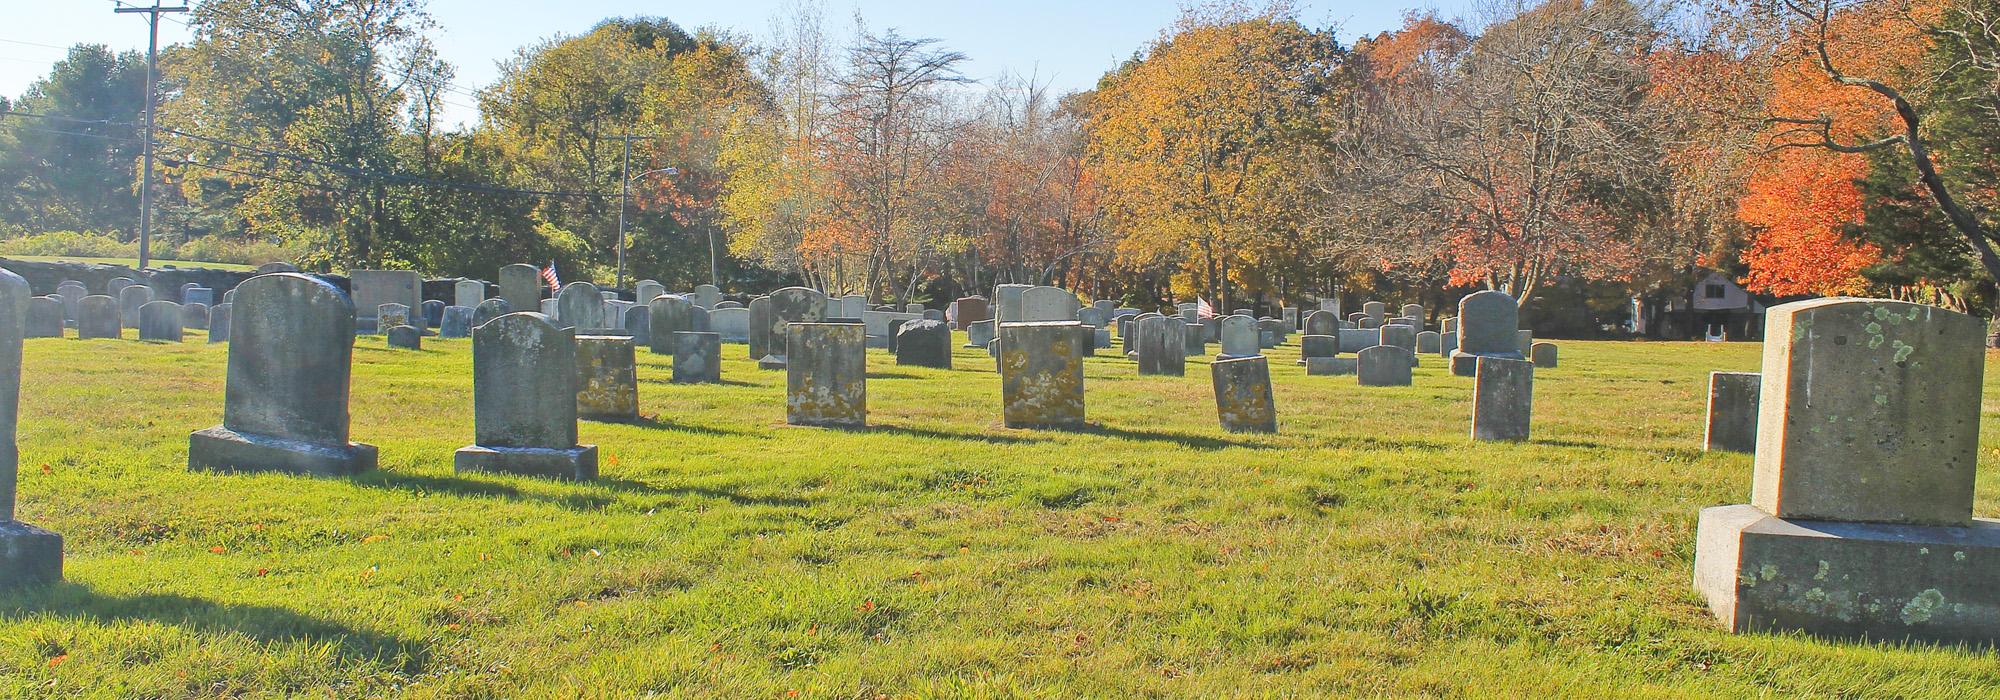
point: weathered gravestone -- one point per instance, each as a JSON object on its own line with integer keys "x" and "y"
{"x": 979, "y": 333}
{"x": 468, "y": 293}
{"x": 1414, "y": 311}
{"x": 1129, "y": 333}
{"x": 1383, "y": 365}
{"x": 490, "y": 309}
{"x": 524, "y": 419}
{"x": 405, "y": 337}
{"x": 43, "y": 319}
{"x": 389, "y": 316}
{"x": 1311, "y": 346}
{"x": 71, "y": 292}
{"x": 1543, "y": 355}
{"x": 924, "y": 344}
{"x": 1091, "y": 316}
{"x": 29, "y": 555}
{"x": 1290, "y": 316}
{"x": 116, "y": 285}
{"x": 521, "y": 286}
{"x": 1487, "y": 322}
{"x": 1161, "y": 346}
{"x": 1007, "y": 303}
{"x": 1042, "y": 303}
{"x": 579, "y": 306}
{"x": 1322, "y": 323}
{"x": 457, "y": 322}
{"x": 697, "y": 357}
{"x": 160, "y": 321}
{"x": 1041, "y": 375}
{"x": 1375, "y": 311}
{"x": 1860, "y": 516}
{"x": 1332, "y": 366}
{"x": 285, "y": 401}
{"x": 1732, "y": 411}
{"x": 1239, "y": 336}
{"x": 607, "y": 383}
{"x": 97, "y": 317}
{"x": 1524, "y": 341}
{"x": 668, "y": 314}
{"x": 431, "y": 315}
{"x": 706, "y": 296}
{"x": 1503, "y": 398}
{"x": 1429, "y": 342}
{"x": 373, "y": 288}
{"x": 1357, "y": 339}
{"x": 732, "y": 324}
{"x": 1243, "y": 400}
{"x": 1401, "y": 336}
{"x": 197, "y": 295}
{"x": 638, "y": 324}
{"x": 194, "y": 316}
{"x": 218, "y": 322}
{"x": 129, "y": 301}
{"x": 826, "y": 374}
{"x": 760, "y": 327}
{"x": 645, "y": 290}
{"x": 788, "y": 306}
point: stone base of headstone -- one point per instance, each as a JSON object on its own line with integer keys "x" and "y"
{"x": 1845, "y": 580}
{"x": 1331, "y": 366}
{"x": 29, "y": 555}
{"x": 576, "y": 464}
{"x": 220, "y": 449}
{"x": 1466, "y": 364}
{"x": 771, "y": 362}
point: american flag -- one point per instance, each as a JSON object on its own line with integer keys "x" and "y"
{"x": 549, "y": 276}
{"x": 1202, "y": 309}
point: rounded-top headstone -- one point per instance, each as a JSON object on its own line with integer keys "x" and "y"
{"x": 490, "y": 309}
{"x": 580, "y": 306}
{"x": 1487, "y": 322}
{"x": 524, "y": 382}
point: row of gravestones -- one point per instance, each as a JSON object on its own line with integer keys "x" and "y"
{"x": 1860, "y": 521}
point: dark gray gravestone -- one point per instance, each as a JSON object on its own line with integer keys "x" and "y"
{"x": 666, "y": 315}
{"x": 639, "y": 324}
{"x": 406, "y": 337}
{"x": 218, "y": 322}
{"x": 97, "y": 317}
{"x": 1161, "y": 346}
{"x": 29, "y": 555}
{"x": 1041, "y": 375}
{"x": 1243, "y": 395}
{"x": 160, "y": 321}
{"x": 1543, "y": 355}
{"x": 285, "y": 405}
{"x": 979, "y": 333}
{"x": 456, "y": 322}
{"x": 1428, "y": 342}
{"x": 924, "y": 344}
{"x": 1503, "y": 398}
{"x": 44, "y": 319}
{"x": 523, "y": 407}
{"x": 1311, "y": 346}
{"x": 826, "y": 374}
{"x": 698, "y": 319}
{"x": 1322, "y": 323}
{"x": 697, "y": 357}
{"x": 129, "y": 301}
{"x": 1383, "y": 365}
{"x": 491, "y": 309}
{"x": 760, "y": 328}
{"x": 1732, "y": 411}
{"x": 194, "y": 316}
{"x": 1487, "y": 327}
{"x": 433, "y": 312}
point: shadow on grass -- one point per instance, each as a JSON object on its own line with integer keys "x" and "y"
{"x": 658, "y": 423}
{"x": 945, "y": 435}
{"x": 72, "y": 601}
{"x": 425, "y": 484}
{"x": 892, "y": 375}
{"x": 725, "y": 494}
{"x": 1369, "y": 442}
{"x": 1200, "y": 442}
{"x": 722, "y": 382}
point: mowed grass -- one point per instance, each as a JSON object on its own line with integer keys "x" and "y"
{"x": 1368, "y": 549}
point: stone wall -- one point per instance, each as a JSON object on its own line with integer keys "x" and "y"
{"x": 166, "y": 281}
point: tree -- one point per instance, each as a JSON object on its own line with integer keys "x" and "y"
{"x": 71, "y": 166}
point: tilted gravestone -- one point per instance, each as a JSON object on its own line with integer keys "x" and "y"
{"x": 218, "y": 322}
{"x": 826, "y": 374}
{"x": 1503, "y": 398}
{"x": 924, "y": 344}
{"x": 524, "y": 419}
{"x": 1041, "y": 375}
{"x": 129, "y": 301}
{"x": 521, "y": 286}
{"x": 98, "y": 317}
{"x": 373, "y": 288}
{"x": 1732, "y": 411}
{"x": 1161, "y": 346}
{"x": 285, "y": 401}
{"x": 44, "y": 318}
{"x": 490, "y": 309}
{"x": 579, "y": 306}
{"x": 456, "y": 323}
{"x": 1487, "y": 322}
{"x": 1383, "y": 365}
{"x": 668, "y": 314}
{"x": 1239, "y": 336}
{"x": 607, "y": 385}
{"x": 1543, "y": 355}
{"x": 697, "y": 358}
{"x": 194, "y": 316}
{"x": 160, "y": 321}
{"x": 1860, "y": 516}
{"x": 1243, "y": 400}
{"x": 468, "y": 293}
{"x": 29, "y": 555}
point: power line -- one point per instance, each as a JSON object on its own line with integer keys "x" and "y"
{"x": 377, "y": 175}
{"x": 264, "y": 176}
{"x": 107, "y": 137}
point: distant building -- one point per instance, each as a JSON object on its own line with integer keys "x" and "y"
{"x": 1716, "y": 308}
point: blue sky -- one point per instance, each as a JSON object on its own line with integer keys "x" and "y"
{"x": 1066, "y": 43}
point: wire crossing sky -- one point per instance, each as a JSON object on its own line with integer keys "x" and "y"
{"x": 1063, "y": 43}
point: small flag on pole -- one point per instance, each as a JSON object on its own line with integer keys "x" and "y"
{"x": 549, "y": 275}
{"x": 1202, "y": 309}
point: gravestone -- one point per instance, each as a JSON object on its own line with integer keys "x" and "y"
{"x": 1290, "y": 316}
{"x": 933, "y": 315}
{"x": 639, "y": 325}
{"x": 1375, "y": 311}
{"x": 285, "y": 401}
{"x": 979, "y": 334}
{"x": 72, "y": 293}
{"x": 826, "y": 374}
{"x": 98, "y": 317}
{"x": 1311, "y": 346}
{"x": 607, "y": 378}
{"x": 579, "y": 306}
{"x": 1414, "y": 312}
{"x": 198, "y": 295}
{"x": 732, "y": 324}
{"x": 706, "y": 296}
{"x": 406, "y": 338}
{"x": 720, "y": 305}
{"x": 972, "y": 309}
{"x": 1447, "y": 344}
{"x": 194, "y": 316}
{"x": 43, "y": 319}
{"x": 1732, "y": 412}
{"x": 468, "y": 293}
{"x": 914, "y": 308}
{"x": 760, "y": 328}
{"x": 1543, "y": 355}
{"x": 1243, "y": 400}
{"x": 389, "y": 316}
{"x": 373, "y": 288}
{"x": 1270, "y": 332}
{"x": 853, "y": 306}
{"x": 1332, "y": 366}
{"x": 1007, "y": 303}
{"x": 523, "y": 416}
{"x": 1041, "y": 375}
{"x": 1091, "y": 316}
{"x": 117, "y": 285}
{"x": 668, "y": 314}
{"x": 1108, "y": 306}
{"x": 645, "y": 290}
{"x": 276, "y": 266}
{"x": 160, "y": 321}
{"x": 1322, "y": 323}
{"x": 488, "y": 310}
{"x": 1449, "y": 325}
{"x": 1239, "y": 336}
{"x": 1401, "y": 336}
{"x": 1487, "y": 322}
{"x": 1194, "y": 338}
{"x": 697, "y": 357}
{"x": 1860, "y": 516}
{"x": 1524, "y": 341}
{"x": 1369, "y": 323}
{"x": 521, "y": 286}
{"x": 698, "y": 319}
{"x": 129, "y": 301}
{"x": 1383, "y": 365}
{"x": 457, "y": 322}
{"x": 1043, "y": 303}
{"x": 924, "y": 344}
{"x": 1429, "y": 342}
{"x": 432, "y": 314}
{"x": 1087, "y": 339}
{"x": 1129, "y": 334}
{"x": 1161, "y": 346}
{"x": 218, "y": 322}
{"x": 1503, "y": 398}
{"x": 788, "y": 306}
{"x": 29, "y": 555}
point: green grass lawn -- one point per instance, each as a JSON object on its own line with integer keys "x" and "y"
{"x": 130, "y": 262}
{"x": 1368, "y": 549}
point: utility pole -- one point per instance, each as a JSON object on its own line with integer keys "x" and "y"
{"x": 624, "y": 187}
{"x": 152, "y": 68}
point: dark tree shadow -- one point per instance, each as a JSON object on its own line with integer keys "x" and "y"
{"x": 425, "y": 484}
{"x": 1200, "y": 442}
{"x": 72, "y": 601}
{"x": 658, "y": 423}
